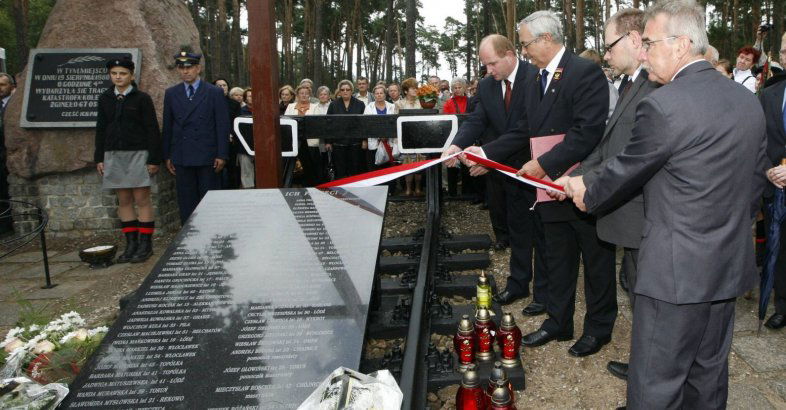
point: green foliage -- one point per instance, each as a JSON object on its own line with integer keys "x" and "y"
{"x": 38, "y": 13}
{"x": 29, "y": 314}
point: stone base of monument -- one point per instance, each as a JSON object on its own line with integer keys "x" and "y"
{"x": 460, "y": 261}
{"x": 454, "y": 243}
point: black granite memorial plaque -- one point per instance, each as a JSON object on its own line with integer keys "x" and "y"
{"x": 63, "y": 85}
{"x": 262, "y": 294}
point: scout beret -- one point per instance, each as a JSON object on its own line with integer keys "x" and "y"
{"x": 124, "y": 62}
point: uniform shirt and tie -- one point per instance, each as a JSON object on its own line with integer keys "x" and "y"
{"x": 192, "y": 88}
{"x": 546, "y": 74}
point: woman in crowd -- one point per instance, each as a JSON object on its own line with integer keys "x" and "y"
{"x": 320, "y": 156}
{"x": 348, "y": 157}
{"x": 410, "y": 102}
{"x": 230, "y": 175}
{"x": 724, "y": 67}
{"x": 457, "y": 104}
{"x": 394, "y": 93}
{"x": 244, "y": 159}
{"x": 303, "y": 106}
{"x": 127, "y": 155}
{"x": 236, "y": 94}
{"x": 286, "y": 95}
{"x": 387, "y": 145}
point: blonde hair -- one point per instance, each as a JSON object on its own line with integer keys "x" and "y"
{"x": 499, "y": 43}
{"x": 302, "y": 86}
{"x": 345, "y": 82}
{"x": 287, "y": 88}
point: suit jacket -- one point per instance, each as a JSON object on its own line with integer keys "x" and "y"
{"x": 576, "y": 105}
{"x": 196, "y": 132}
{"x": 772, "y": 103}
{"x": 488, "y": 115}
{"x": 698, "y": 149}
{"x": 622, "y": 224}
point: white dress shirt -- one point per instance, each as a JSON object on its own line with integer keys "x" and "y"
{"x": 552, "y": 66}
{"x": 745, "y": 78}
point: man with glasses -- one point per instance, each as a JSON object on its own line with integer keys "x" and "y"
{"x": 623, "y": 224}
{"x": 773, "y": 100}
{"x": 567, "y": 95}
{"x": 701, "y": 166}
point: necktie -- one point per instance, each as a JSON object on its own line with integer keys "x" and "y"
{"x": 625, "y": 89}
{"x": 190, "y": 91}
{"x": 544, "y": 79}
{"x": 784, "y": 118}
{"x": 624, "y": 82}
{"x": 507, "y": 95}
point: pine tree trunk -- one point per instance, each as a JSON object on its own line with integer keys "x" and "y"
{"x": 237, "y": 46}
{"x": 735, "y": 32}
{"x": 607, "y": 12}
{"x": 317, "y": 70}
{"x": 360, "y": 46}
{"x": 510, "y": 17}
{"x": 486, "y": 18}
{"x": 569, "y": 26}
{"x": 777, "y": 26}
{"x": 412, "y": 15}
{"x": 223, "y": 62}
{"x": 468, "y": 12}
{"x": 20, "y": 10}
{"x": 389, "y": 43}
{"x": 756, "y": 14}
{"x": 579, "y": 26}
{"x": 289, "y": 69}
{"x": 635, "y": 3}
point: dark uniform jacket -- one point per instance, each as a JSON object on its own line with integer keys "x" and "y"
{"x": 196, "y": 131}
{"x": 575, "y": 104}
{"x": 127, "y": 124}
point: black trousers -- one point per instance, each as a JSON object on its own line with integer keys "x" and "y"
{"x": 780, "y": 269}
{"x": 679, "y": 356}
{"x": 495, "y": 187}
{"x": 192, "y": 184}
{"x": 525, "y": 235}
{"x": 565, "y": 242}
{"x": 348, "y": 160}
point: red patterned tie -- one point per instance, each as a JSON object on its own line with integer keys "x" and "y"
{"x": 507, "y": 95}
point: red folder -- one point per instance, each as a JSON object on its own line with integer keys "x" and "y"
{"x": 539, "y": 146}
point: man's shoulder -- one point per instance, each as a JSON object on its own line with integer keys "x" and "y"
{"x": 773, "y": 90}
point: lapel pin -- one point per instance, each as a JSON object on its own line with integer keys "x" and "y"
{"x": 557, "y": 74}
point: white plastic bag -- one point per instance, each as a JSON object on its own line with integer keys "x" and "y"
{"x": 347, "y": 389}
{"x": 23, "y": 393}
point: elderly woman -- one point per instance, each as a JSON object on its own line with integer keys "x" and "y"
{"x": 347, "y": 153}
{"x": 303, "y": 106}
{"x": 236, "y": 94}
{"x": 410, "y": 102}
{"x": 127, "y": 154}
{"x": 286, "y": 95}
{"x": 457, "y": 104}
{"x": 320, "y": 157}
{"x": 394, "y": 93}
{"x": 381, "y": 107}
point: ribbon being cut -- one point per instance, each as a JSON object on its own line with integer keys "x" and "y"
{"x": 388, "y": 174}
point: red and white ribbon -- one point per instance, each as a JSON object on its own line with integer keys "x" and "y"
{"x": 388, "y": 174}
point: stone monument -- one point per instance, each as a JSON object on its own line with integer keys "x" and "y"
{"x": 53, "y": 167}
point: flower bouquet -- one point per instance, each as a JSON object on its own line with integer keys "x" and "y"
{"x": 428, "y": 94}
{"x": 49, "y": 353}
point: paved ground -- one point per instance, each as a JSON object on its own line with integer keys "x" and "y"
{"x": 554, "y": 379}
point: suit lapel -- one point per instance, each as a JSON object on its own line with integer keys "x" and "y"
{"x": 623, "y": 102}
{"x": 519, "y": 90}
{"x": 552, "y": 92}
{"x": 777, "y": 103}
{"x": 199, "y": 96}
{"x": 498, "y": 102}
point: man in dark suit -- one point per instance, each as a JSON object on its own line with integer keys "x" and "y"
{"x": 500, "y": 104}
{"x": 701, "y": 164}
{"x": 568, "y": 95}
{"x": 772, "y": 100}
{"x": 196, "y": 134}
{"x": 621, "y": 225}
{"x": 7, "y": 87}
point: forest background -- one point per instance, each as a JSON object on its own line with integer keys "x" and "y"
{"x": 329, "y": 40}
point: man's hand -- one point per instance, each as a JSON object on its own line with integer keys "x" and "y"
{"x": 478, "y": 170}
{"x": 218, "y": 164}
{"x": 476, "y": 151}
{"x": 575, "y": 189}
{"x": 777, "y": 175}
{"x": 170, "y": 166}
{"x": 364, "y": 144}
{"x": 533, "y": 169}
{"x": 450, "y": 151}
{"x": 100, "y": 168}
{"x": 152, "y": 169}
{"x": 559, "y": 196}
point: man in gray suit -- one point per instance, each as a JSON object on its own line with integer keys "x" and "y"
{"x": 623, "y": 223}
{"x": 698, "y": 150}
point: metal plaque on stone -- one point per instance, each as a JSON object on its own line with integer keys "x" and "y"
{"x": 261, "y": 295}
{"x": 63, "y": 85}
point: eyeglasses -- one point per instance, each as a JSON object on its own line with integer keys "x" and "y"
{"x": 647, "y": 44}
{"x": 345, "y": 89}
{"x": 527, "y": 44}
{"x": 614, "y": 43}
